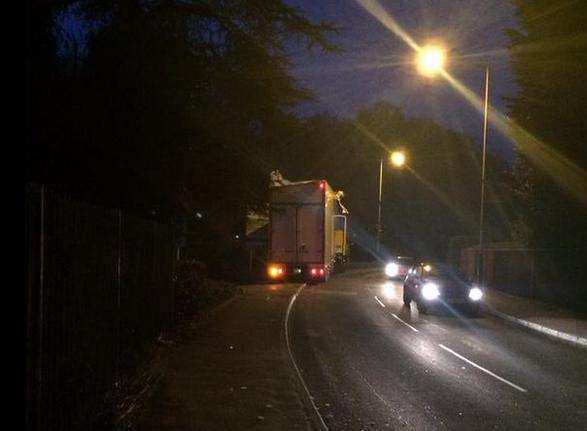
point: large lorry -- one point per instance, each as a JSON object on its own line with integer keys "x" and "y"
{"x": 307, "y": 230}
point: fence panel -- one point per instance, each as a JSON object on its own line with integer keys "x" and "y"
{"x": 554, "y": 275}
{"x": 98, "y": 290}
{"x": 80, "y": 257}
{"x": 33, "y": 298}
{"x": 136, "y": 285}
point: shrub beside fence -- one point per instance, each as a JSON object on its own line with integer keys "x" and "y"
{"x": 98, "y": 290}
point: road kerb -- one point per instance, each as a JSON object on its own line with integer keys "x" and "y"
{"x": 575, "y": 339}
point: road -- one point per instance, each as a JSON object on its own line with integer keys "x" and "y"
{"x": 371, "y": 363}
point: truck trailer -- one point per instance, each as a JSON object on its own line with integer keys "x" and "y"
{"x": 307, "y": 230}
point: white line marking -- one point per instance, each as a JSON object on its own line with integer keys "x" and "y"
{"x": 501, "y": 379}
{"x": 293, "y": 361}
{"x": 333, "y": 292}
{"x": 405, "y": 323}
{"x": 394, "y": 315}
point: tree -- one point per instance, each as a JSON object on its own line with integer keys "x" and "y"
{"x": 167, "y": 109}
{"x": 549, "y": 53}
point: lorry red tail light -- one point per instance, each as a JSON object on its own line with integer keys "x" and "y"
{"x": 317, "y": 271}
{"x": 322, "y": 185}
{"x": 276, "y": 270}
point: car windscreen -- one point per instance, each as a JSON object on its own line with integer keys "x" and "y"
{"x": 442, "y": 271}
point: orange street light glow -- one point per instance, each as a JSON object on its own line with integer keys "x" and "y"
{"x": 398, "y": 159}
{"x": 430, "y": 60}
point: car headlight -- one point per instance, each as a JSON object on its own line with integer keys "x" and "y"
{"x": 391, "y": 269}
{"x": 475, "y": 294}
{"x": 430, "y": 291}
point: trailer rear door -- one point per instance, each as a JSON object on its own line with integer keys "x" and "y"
{"x": 283, "y": 234}
{"x": 310, "y": 234}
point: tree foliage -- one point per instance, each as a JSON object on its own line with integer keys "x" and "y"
{"x": 169, "y": 101}
{"x": 549, "y": 53}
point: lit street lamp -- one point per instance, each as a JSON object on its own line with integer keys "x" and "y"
{"x": 430, "y": 61}
{"x": 397, "y": 159}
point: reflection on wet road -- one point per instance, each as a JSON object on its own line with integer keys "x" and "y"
{"x": 371, "y": 362}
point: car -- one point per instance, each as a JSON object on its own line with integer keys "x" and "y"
{"x": 398, "y": 268}
{"x": 429, "y": 284}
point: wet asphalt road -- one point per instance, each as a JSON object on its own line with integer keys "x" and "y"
{"x": 371, "y": 363}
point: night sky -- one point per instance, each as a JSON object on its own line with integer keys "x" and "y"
{"x": 376, "y": 65}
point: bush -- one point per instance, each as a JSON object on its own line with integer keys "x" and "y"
{"x": 195, "y": 293}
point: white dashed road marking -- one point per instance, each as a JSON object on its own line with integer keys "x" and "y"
{"x": 405, "y": 323}
{"x": 501, "y": 379}
{"x": 396, "y": 316}
{"x": 461, "y": 357}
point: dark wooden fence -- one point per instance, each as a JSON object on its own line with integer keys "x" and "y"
{"x": 553, "y": 275}
{"x": 98, "y": 291}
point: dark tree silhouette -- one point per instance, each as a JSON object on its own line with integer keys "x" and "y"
{"x": 549, "y": 54}
{"x": 164, "y": 106}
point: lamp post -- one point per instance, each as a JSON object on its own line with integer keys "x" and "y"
{"x": 430, "y": 61}
{"x": 378, "y": 227}
{"x": 397, "y": 159}
{"x": 480, "y": 266}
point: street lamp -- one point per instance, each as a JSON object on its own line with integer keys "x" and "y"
{"x": 397, "y": 159}
{"x": 430, "y": 61}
